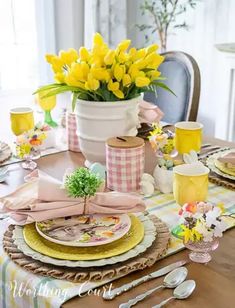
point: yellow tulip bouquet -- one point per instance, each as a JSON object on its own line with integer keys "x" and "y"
{"x": 104, "y": 74}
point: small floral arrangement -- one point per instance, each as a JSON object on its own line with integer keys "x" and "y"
{"x": 28, "y": 142}
{"x": 161, "y": 141}
{"x": 201, "y": 221}
{"x": 104, "y": 74}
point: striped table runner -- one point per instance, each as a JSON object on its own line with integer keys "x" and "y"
{"x": 19, "y": 288}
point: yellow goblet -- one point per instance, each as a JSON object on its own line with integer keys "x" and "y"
{"x": 188, "y": 136}
{"x": 47, "y": 104}
{"x": 190, "y": 183}
{"x": 21, "y": 120}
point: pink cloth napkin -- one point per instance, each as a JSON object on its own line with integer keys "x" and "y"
{"x": 149, "y": 113}
{"x": 43, "y": 199}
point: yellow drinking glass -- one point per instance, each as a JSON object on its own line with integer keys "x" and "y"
{"x": 21, "y": 120}
{"x": 190, "y": 183}
{"x": 47, "y": 104}
{"x": 188, "y": 136}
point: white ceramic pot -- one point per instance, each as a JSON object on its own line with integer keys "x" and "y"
{"x": 98, "y": 121}
{"x": 163, "y": 179}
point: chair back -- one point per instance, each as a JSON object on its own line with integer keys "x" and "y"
{"x": 183, "y": 77}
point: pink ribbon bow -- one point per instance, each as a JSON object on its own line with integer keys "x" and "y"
{"x": 149, "y": 113}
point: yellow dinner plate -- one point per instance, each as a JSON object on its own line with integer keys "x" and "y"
{"x": 127, "y": 242}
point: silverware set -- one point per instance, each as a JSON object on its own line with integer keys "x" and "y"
{"x": 175, "y": 279}
{"x": 210, "y": 149}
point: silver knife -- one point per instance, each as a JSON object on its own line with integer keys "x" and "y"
{"x": 126, "y": 287}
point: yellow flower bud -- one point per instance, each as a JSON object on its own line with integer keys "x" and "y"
{"x": 132, "y": 52}
{"x": 57, "y": 64}
{"x": 113, "y": 86}
{"x": 69, "y": 56}
{"x": 139, "y": 54}
{"x": 153, "y": 75}
{"x": 119, "y": 94}
{"x": 152, "y": 48}
{"x": 71, "y": 81}
{"x": 84, "y": 54}
{"x": 98, "y": 39}
{"x": 119, "y": 71}
{"x": 49, "y": 58}
{"x": 126, "y": 81}
{"x": 156, "y": 62}
{"x": 76, "y": 71}
{"x": 59, "y": 77}
{"x": 122, "y": 57}
{"x": 142, "y": 81}
{"x": 109, "y": 57}
{"x": 124, "y": 45}
{"x": 92, "y": 83}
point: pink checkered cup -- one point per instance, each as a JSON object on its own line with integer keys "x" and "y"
{"x": 71, "y": 130}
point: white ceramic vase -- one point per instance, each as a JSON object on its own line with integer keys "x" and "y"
{"x": 98, "y": 121}
{"x": 163, "y": 179}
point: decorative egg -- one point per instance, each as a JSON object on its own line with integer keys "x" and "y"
{"x": 148, "y": 178}
{"x": 99, "y": 170}
{"x": 147, "y": 188}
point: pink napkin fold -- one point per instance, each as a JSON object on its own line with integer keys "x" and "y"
{"x": 228, "y": 158}
{"x": 149, "y": 113}
{"x": 44, "y": 199}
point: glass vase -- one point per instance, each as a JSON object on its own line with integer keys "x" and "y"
{"x": 200, "y": 250}
{"x": 29, "y": 163}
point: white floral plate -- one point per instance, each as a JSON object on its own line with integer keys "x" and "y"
{"x": 211, "y": 164}
{"x": 85, "y": 230}
{"x": 150, "y": 234}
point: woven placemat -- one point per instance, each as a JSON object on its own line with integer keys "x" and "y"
{"x": 6, "y": 152}
{"x": 147, "y": 259}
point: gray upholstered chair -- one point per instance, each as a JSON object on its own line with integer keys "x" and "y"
{"x": 183, "y": 77}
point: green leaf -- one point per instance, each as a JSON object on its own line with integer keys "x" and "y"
{"x": 164, "y": 86}
{"x": 75, "y": 96}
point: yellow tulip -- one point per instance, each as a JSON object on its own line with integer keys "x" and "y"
{"x": 122, "y": 57}
{"x": 123, "y": 45}
{"x": 76, "y": 71}
{"x": 151, "y": 48}
{"x": 153, "y": 75}
{"x": 156, "y": 62}
{"x": 59, "y": 77}
{"x": 119, "y": 94}
{"x": 71, "y": 81}
{"x": 100, "y": 73}
{"x": 142, "y": 82}
{"x": 113, "y": 86}
{"x": 109, "y": 57}
{"x": 85, "y": 70}
{"x": 57, "y": 64}
{"x": 126, "y": 81}
{"x": 98, "y": 39}
{"x": 92, "y": 84}
{"x": 84, "y": 54}
{"x": 139, "y": 54}
{"x": 141, "y": 63}
{"x": 133, "y": 71}
{"x": 69, "y": 56}
{"x": 119, "y": 71}
{"x": 132, "y": 52}
{"x": 49, "y": 58}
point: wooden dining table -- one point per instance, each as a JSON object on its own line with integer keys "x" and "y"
{"x": 215, "y": 281}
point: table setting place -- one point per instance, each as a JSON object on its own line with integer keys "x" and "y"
{"x": 67, "y": 236}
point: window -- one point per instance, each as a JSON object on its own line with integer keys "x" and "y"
{"x": 18, "y": 45}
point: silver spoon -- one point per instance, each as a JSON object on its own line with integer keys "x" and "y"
{"x": 184, "y": 290}
{"x": 172, "y": 280}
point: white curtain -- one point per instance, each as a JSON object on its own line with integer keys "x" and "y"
{"x": 106, "y": 17}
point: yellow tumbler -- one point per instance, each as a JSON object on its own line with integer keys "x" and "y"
{"x": 190, "y": 183}
{"x": 188, "y": 136}
{"x": 21, "y": 120}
